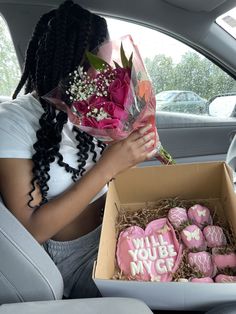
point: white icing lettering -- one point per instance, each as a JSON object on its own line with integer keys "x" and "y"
{"x": 171, "y": 250}
{"x": 162, "y": 251}
{"x": 142, "y": 254}
{"x": 152, "y": 253}
{"x": 147, "y": 242}
{"x": 147, "y": 265}
{"x": 138, "y": 243}
{"x": 153, "y": 241}
{"x": 161, "y": 240}
{"x": 136, "y": 268}
{"x": 161, "y": 268}
{"x": 133, "y": 254}
{"x": 169, "y": 263}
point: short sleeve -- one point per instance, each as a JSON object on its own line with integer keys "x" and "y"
{"x": 16, "y": 136}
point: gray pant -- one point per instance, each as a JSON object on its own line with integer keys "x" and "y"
{"x": 75, "y": 260}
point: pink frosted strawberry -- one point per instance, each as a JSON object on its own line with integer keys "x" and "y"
{"x": 202, "y": 261}
{"x": 223, "y": 260}
{"x": 193, "y": 238}
{"x": 225, "y": 278}
{"x": 199, "y": 215}
{"x": 202, "y": 280}
{"x": 177, "y": 216}
{"x": 214, "y": 236}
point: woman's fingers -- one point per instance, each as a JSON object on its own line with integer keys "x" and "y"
{"x": 142, "y": 141}
{"x": 139, "y": 133}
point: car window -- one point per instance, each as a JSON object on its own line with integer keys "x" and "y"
{"x": 9, "y": 66}
{"x": 164, "y": 96}
{"x": 181, "y": 97}
{"x": 192, "y": 97}
{"x": 175, "y": 67}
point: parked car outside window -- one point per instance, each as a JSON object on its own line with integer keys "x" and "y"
{"x": 181, "y": 101}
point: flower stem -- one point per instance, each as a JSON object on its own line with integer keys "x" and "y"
{"x": 163, "y": 156}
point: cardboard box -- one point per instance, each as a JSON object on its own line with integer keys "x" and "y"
{"x": 207, "y": 181}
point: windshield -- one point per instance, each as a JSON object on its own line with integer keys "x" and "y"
{"x": 165, "y": 96}
{"x": 228, "y": 21}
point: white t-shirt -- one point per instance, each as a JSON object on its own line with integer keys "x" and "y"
{"x": 19, "y": 121}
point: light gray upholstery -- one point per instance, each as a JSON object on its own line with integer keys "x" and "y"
{"x": 27, "y": 273}
{"x": 79, "y": 306}
{"x": 229, "y": 308}
{"x": 231, "y": 154}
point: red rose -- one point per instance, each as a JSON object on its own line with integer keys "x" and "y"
{"x": 90, "y": 122}
{"x": 119, "y": 88}
{"x": 81, "y": 106}
{"x": 114, "y": 111}
{"x": 109, "y": 124}
{"x": 103, "y": 124}
{"x": 96, "y": 101}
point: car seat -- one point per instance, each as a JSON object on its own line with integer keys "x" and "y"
{"x": 28, "y": 275}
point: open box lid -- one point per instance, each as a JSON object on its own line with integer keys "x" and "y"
{"x": 187, "y": 181}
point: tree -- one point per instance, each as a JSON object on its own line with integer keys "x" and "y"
{"x": 9, "y": 67}
{"x": 161, "y": 71}
{"x": 193, "y": 72}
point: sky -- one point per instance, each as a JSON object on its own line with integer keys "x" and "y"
{"x": 150, "y": 42}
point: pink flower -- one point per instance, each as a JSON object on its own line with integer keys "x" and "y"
{"x": 81, "y": 106}
{"x": 123, "y": 74}
{"x": 109, "y": 124}
{"x": 90, "y": 122}
{"x": 119, "y": 88}
{"x": 96, "y": 101}
{"x": 102, "y": 124}
{"x": 114, "y": 111}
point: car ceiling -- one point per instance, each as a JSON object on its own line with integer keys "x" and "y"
{"x": 190, "y": 21}
{"x": 197, "y": 6}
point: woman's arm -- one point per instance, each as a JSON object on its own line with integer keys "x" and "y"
{"x": 50, "y": 218}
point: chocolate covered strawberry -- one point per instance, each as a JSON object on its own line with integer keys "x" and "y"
{"x": 193, "y": 238}
{"x": 199, "y": 215}
{"x": 214, "y": 236}
{"x": 177, "y": 216}
{"x": 202, "y": 261}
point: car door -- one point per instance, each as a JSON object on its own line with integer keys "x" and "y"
{"x": 174, "y": 66}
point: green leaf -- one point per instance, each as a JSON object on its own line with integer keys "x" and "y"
{"x": 117, "y": 65}
{"x": 131, "y": 61}
{"x": 96, "y": 62}
{"x": 124, "y": 60}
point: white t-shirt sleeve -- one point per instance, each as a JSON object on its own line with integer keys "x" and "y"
{"x": 15, "y": 136}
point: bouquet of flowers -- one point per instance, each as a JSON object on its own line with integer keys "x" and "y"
{"x": 111, "y": 95}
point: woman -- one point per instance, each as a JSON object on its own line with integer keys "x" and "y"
{"x": 53, "y": 177}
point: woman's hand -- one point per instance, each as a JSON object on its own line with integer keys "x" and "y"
{"x": 121, "y": 155}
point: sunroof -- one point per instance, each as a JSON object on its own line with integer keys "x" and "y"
{"x": 228, "y": 22}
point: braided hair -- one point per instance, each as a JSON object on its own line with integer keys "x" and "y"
{"x": 56, "y": 48}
